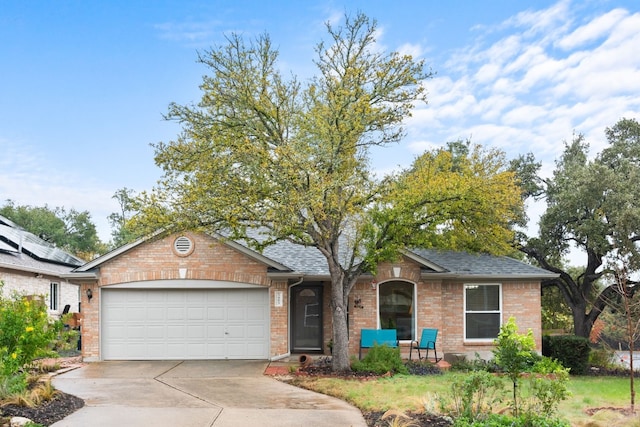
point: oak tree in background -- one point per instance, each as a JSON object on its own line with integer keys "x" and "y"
{"x": 121, "y": 232}
{"x": 594, "y": 206}
{"x": 265, "y": 152}
{"x": 72, "y": 231}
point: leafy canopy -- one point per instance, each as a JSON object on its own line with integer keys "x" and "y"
{"x": 72, "y": 231}
{"x": 265, "y": 152}
{"x": 592, "y": 205}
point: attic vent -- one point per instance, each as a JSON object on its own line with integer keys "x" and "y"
{"x": 183, "y": 246}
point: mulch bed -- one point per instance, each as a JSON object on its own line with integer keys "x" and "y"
{"x": 378, "y": 419}
{"x": 47, "y": 413}
{"x": 52, "y": 411}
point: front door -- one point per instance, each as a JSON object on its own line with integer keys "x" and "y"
{"x": 306, "y": 315}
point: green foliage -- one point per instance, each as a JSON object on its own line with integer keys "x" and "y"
{"x": 602, "y": 357}
{"x": 472, "y": 396}
{"x": 380, "y": 359}
{"x": 263, "y": 151}
{"x": 11, "y": 385}
{"x": 25, "y": 332}
{"x": 514, "y": 354}
{"x": 556, "y": 314}
{"x": 501, "y": 420}
{"x": 71, "y": 230}
{"x": 477, "y": 364}
{"x": 121, "y": 231}
{"x": 547, "y": 391}
{"x": 592, "y": 204}
{"x": 572, "y": 351}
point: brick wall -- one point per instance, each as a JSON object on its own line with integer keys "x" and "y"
{"x": 156, "y": 260}
{"x": 439, "y": 304}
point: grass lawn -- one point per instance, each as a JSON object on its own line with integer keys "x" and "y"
{"x": 414, "y": 393}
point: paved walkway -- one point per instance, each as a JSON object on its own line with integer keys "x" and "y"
{"x": 195, "y": 393}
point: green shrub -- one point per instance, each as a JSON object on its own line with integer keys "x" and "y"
{"x": 547, "y": 391}
{"x": 477, "y": 364}
{"x": 571, "y": 350}
{"x": 500, "y": 420}
{"x": 11, "y": 385}
{"x": 25, "y": 332}
{"x": 472, "y": 396}
{"x": 602, "y": 358}
{"x": 514, "y": 353}
{"x": 380, "y": 359}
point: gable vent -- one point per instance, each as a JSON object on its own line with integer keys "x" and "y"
{"x": 183, "y": 246}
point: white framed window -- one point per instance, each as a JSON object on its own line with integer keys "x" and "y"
{"x": 482, "y": 311}
{"x": 54, "y": 295}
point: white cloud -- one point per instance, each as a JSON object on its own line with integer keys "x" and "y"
{"x": 597, "y": 28}
{"x": 518, "y": 91}
{"x": 413, "y": 49}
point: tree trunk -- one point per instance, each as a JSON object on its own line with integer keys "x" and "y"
{"x": 582, "y": 324}
{"x": 340, "y": 358}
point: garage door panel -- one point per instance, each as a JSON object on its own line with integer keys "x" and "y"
{"x": 196, "y": 313}
{"x": 175, "y": 331}
{"x": 157, "y": 332}
{"x": 215, "y": 313}
{"x": 185, "y": 324}
{"x": 135, "y": 314}
{"x": 236, "y": 313}
{"x": 175, "y": 313}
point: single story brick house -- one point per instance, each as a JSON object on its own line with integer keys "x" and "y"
{"x": 197, "y": 296}
{"x": 33, "y": 267}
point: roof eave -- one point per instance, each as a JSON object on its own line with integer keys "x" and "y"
{"x": 32, "y": 270}
{"x": 81, "y": 276}
{"x": 541, "y": 276}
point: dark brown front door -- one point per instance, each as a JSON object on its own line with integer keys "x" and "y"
{"x": 306, "y": 315}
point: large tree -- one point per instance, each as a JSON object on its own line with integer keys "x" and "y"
{"x": 261, "y": 152}
{"x": 121, "y": 233}
{"x": 72, "y": 231}
{"x": 593, "y": 205}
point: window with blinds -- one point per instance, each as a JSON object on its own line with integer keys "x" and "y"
{"x": 482, "y": 311}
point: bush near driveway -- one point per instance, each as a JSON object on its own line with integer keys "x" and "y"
{"x": 26, "y": 333}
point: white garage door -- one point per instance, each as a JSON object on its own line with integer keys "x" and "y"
{"x": 165, "y": 324}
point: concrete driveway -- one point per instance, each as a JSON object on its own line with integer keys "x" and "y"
{"x": 195, "y": 393}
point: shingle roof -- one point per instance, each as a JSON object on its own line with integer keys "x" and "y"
{"x": 310, "y": 261}
{"x": 289, "y": 258}
{"x": 468, "y": 264}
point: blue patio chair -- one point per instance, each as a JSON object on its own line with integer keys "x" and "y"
{"x": 427, "y": 342}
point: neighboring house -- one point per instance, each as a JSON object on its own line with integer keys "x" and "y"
{"x": 195, "y": 296}
{"x": 33, "y": 267}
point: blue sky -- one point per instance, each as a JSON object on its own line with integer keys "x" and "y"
{"x": 84, "y": 84}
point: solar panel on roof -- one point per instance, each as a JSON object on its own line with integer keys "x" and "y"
{"x": 37, "y": 247}
{"x": 7, "y": 247}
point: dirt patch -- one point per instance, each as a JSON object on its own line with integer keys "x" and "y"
{"x": 624, "y": 411}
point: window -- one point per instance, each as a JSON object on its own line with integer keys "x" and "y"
{"x": 396, "y": 308}
{"x": 54, "y": 295}
{"x": 482, "y": 311}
